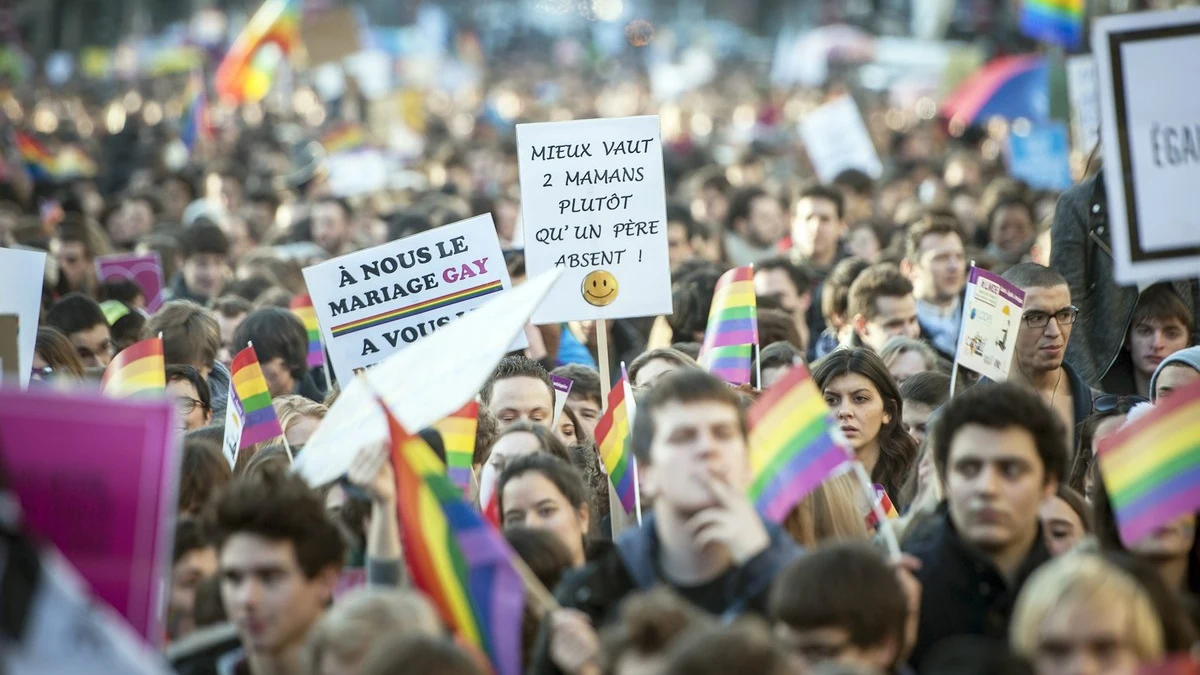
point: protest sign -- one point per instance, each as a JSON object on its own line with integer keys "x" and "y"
{"x": 592, "y": 203}
{"x": 420, "y": 384}
{"x": 991, "y": 319}
{"x": 1085, "y": 102}
{"x": 10, "y": 358}
{"x": 21, "y": 275}
{"x": 144, "y": 269}
{"x": 1041, "y": 157}
{"x": 115, "y": 462}
{"x": 836, "y": 139}
{"x": 562, "y": 390}
{"x": 373, "y": 303}
{"x": 1150, "y": 137}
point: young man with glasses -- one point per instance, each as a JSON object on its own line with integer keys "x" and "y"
{"x": 189, "y": 392}
{"x": 1046, "y": 326}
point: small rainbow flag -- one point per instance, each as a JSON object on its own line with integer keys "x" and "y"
{"x": 732, "y": 328}
{"x": 39, "y": 162}
{"x": 139, "y": 370}
{"x": 792, "y": 446}
{"x": 247, "y": 71}
{"x": 1058, "y": 22}
{"x": 885, "y": 504}
{"x": 461, "y": 563}
{"x": 251, "y": 400}
{"x": 344, "y": 138}
{"x": 1151, "y": 467}
{"x": 302, "y": 307}
{"x": 196, "y": 126}
{"x": 458, "y": 435}
{"x": 612, "y": 438}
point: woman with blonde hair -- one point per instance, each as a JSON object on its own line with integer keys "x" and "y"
{"x": 835, "y": 511}
{"x": 1082, "y": 614}
{"x": 299, "y": 418}
{"x": 905, "y": 357}
{"x": 362, "y": 620}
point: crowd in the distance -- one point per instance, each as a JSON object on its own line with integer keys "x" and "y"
{"x": 1012, "y": 562}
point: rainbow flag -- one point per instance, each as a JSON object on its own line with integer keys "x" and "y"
{"x": 461, "y": 563}
{"x": 885, "y": 504}
{"x": 251, "y": 400}
{"x": 612, "y": 438}
{"x": 1058, "y": 22}
{"x": 247, "y": 71}
{"x": 302, "y": 307}
{"x": 345, "y": 138}
{"x": 792, "y": 447}
{"x": 39, "y": 162}
{"x": 139, "y": 370}
{"x": 1151, "y": 467}
{"x": 196, "y": 126}
{"x": 458, "y": 435}
{"x": 732, "y": 328}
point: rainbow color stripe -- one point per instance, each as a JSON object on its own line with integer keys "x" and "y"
{"x": 458, "y": 435}
{"x": 248, "y": 391}
{"x": 461, "y": 563}
{"x": 40, "y": 164}
{"x": 419, "y": 308}
{"x": 792, "y": 447}
{"x": 345, "y": 138}
{"x": 1058, "y": 22}
{"x": 302, "y": 307}
{"x": 139, "y": 370}
{"x": 732, "y": 327}
{"x": 196, "y": 125}
{"x": 1151, "y": 467}
{"x": 247, "y": 71}
{"x": 612, "y": 438}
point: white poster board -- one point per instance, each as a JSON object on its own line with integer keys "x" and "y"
{"x": 21, "y": 276}
{"x": 593, "y": 202}
{"x": 373, "y": 303}
{"x": 1085, "y": 102}
{"x": 1150, "y": 137}
{"x": 991, "y": 319}
{"x": 836, "y": 140}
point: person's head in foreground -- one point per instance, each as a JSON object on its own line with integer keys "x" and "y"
{"x": 299, "y": 418}
{"x": 1046, "y": 321}
{"x": 1177, "y": 371}
{"x": 519, "y": 389}
{"x": 1161, "y": 325}
{"x": 542, "y": 491}
{"x": 82, "y": 321}
{"x": 421, "y": 654}
{"x": 280, "y": 343}
{"x": 1080, "y": 615}
{"x": 54, "y": 357}
{"x": 191, "y": 395}
{"x": 881, "y": 306}
{"x": 841, "y": 604}
{"x": 745, "y": 646}
{"x": 834, "y": 510}
{"x": 649, "y": 624}
{"x": 362, "y": 620}
{"x": 279, "y": 557}
{"x": 999, "y": 451}
{"x": 190, "y": 335}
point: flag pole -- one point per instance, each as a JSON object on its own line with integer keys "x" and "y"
{"x": 958, "y": 346}
{"x": 883, "y": 526}
{"x": 602, "y": 360}
{"x": 631, "y": 411}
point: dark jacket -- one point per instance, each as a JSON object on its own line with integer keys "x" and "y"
{"x": 308, "y": 387}
{"x": 962, "y": 591}
{"x": 1081, "y": 252}
{"x": 632, "y": 565}
{"x": 178, "y": 290}
{"x": 1081, "y": 394}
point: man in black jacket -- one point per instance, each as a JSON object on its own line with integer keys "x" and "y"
{"x": 999, "y": 452}
{"x": 705, "y": 539}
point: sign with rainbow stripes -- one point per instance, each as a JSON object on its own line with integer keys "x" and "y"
{"x": 370, "y": 304}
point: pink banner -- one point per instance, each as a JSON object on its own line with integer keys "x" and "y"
{"x": 97, "y": 477}
{"x": 144, "y": 269}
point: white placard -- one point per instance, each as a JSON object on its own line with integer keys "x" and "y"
{"x": 235, "y": 421}
{"x": 593, "y": 203}
{"x": 1150, "y": 136}
{"x": 21, "y": 275}
{"x": 991, "y": 319}
{"x": 422, "y": 384}
{"x": 1085, "y": 102}
{"x": 373, "y": 303}
{"x": 836, "y": 139}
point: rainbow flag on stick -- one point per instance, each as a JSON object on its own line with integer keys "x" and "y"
{"x": 1058, "y": 22}
{"x": 247, "y": 71}
{"x": 732, "y": 329}
{"x": 302, "y": 307}
{"x": 249, "y": 415}
{"x": 139, "y": 370}
{"x": 39, "y": 162}
{"x": 1151, "y": 467}
{"x": 612, "y": 438}
{"x": 463, "y": 565}
{"x": 792, "y": 445}
{"x": 458, "y": 435}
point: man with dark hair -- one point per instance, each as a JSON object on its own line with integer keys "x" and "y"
{"x": 281, "y": 344}
{"x": 754, "y": 226}
{"x": 203, "y": 267}
{"x": 833, "y": 301}
{"x": 190, "y": 393}
{"x": 792, "y": 283}
{"x": 191, "y": 338}
{"x": 935, "y": 260}
{"x": 82, "y": 320}
{"x": 922, "y": 394}
{"x": 519, "y": 389}
{"x": 331, "y": 225}
{"x": 229, "y": 311}
{"x": 75, "y": 247}
{"x": 682, "y": 229}
{"x": 776, "y": 359}
{"x": 999, "y": 453}
{"x": 881, "y": 306}
{"x": 259, "y": 210}
{"x": 1161, "y": 325}
{"x": 279, "y": 557}
{"x": 584, "y": 399}
{"x": 818, "y": 224}
{"x": 194, "y": 559}
{"x": 704, "y": 540}
{"x": 1046, "y": 324}
{"x": 842, "y": 604}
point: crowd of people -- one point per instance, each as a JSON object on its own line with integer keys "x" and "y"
{"x": 1011, "y": 558}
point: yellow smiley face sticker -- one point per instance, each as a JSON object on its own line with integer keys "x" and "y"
{"x": 600, "y": 288}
